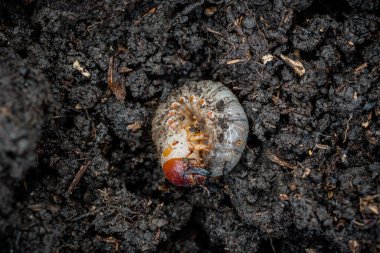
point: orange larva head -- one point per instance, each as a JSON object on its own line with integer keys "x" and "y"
{"x": 179, "y": 172}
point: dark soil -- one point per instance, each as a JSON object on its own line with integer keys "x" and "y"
{"x": 308, "y": 180}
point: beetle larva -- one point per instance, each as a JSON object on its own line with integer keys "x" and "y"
{"x": 199, "y": 131}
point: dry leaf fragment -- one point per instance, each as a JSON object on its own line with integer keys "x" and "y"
{"x": 114, "y": 81}
{"x": 354, "y": 246}
{"x": 210, "y": 11}
{"x": 125, "y": 70}
{"x": 296, "y": 65}
{"x": 306, "y": 173}
{"x": 370, "y": 204}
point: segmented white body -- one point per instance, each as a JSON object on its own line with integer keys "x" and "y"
{"x": 203, "y": 122}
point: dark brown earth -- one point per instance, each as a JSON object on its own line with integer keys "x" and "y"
{"x": 307, "y": 182}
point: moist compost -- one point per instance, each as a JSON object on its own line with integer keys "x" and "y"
{"x": 80, "y": 82}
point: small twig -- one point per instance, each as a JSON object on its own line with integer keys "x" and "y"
{"x": 77, "y": 178}
{"x": 280, "y": 161}
{"x": 213, "y": 31}
{"x": 89, "y": 28}
{"x": 205, "y": 188}
{"x": 190, "y": 8}
{"x": 245, "y": 59}
{"x": 151, "y": 11}
{"x": 85, "y": 215}
{"x": 272, "y": 246}
{"x": 347, "y": 128}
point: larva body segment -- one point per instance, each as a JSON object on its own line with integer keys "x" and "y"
{"x": 199, "y": 131}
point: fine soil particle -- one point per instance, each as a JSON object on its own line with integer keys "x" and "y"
{"x": 79, "y": 171}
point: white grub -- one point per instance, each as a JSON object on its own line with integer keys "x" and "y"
{"x": 211, "y": 127}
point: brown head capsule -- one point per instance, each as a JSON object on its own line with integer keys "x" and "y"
{"x": 199, "y": 131}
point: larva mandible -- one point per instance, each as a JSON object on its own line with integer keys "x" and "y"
{"x": 199, "y": 131}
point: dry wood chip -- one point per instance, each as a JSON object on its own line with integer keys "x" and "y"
{"x": 235, "y": 61}
{"x": 296, "y": 65}
{"x": 267, "y": 58}
{"x": 359, "y": 68}
{"x": 134, "y": 126}
{"x": 78, "y": 177}
{"x": 82, "y": 70}
{"x": 322, "y": 146}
